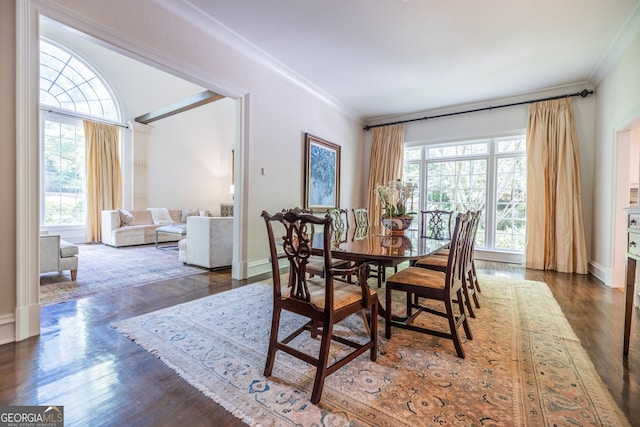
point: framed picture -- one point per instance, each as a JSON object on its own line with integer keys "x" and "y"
{"x": 321, "y": 173}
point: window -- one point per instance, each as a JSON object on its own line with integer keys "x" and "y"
{"x": 63, "y": 172}
{"x": 489, "y": 175}
{"x": 69, "y": 92}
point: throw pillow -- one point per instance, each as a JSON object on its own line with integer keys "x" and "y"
{"x": 126, "y": 218}
{"x": 188, "y": 212}
{"x": 160, "y": 216}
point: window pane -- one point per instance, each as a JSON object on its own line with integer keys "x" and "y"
{"x": 510, "y": 204}
{"x": 512, "y": 145}
{"x": 63, "y": 158}
{"x": 67, "y": 82}
{"x": 413, "y": 153}
{"x": 462, "y": 150}
{"x": 411, "y": 173}
{"x": 457, "y": 185}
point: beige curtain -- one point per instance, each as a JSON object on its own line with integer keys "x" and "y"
{"x": 555, "y": 231}
{"x": 385, "y": 164}
{"x": 104, "y": 180}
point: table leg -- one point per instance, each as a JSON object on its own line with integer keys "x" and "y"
{"x": 629, "y": 294}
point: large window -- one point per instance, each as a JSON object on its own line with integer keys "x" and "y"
{"x": 69, "y": 91}
{"x": 63, "y": 171}
{"x": 489, "y": 175}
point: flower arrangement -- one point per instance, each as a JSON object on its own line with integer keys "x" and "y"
{"x": 394, "y": 197}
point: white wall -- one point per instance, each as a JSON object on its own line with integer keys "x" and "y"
{"x": 617, "y": 106}
{"x": 189, "y": 158}
{"x": 505, "y": 121}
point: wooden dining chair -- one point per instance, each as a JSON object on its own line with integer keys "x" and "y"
{"x": 361, "y": 220}
{"x": 425, "y": 284}
{"x": 323, "y": 301}
{"x": 315, "y": 266}
{"x": 340, "y": 218}
{"x": 360, "y": 217}
{"x": 438, "y": 262}
{"x": 436, "y": 224}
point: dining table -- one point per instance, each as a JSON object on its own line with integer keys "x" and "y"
{"x": 377, "y": 244}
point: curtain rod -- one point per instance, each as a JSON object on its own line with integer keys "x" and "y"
{"x": 584, "y": 93}
{"x": 82, "y": 117}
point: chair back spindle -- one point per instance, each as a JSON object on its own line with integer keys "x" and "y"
{"x": 361, "y": 217}
{"x": 436, "y": 224}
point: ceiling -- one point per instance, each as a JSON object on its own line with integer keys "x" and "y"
{"x": 379, "y": 58}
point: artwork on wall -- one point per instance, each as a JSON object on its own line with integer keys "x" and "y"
{"x": 321, "y": 173}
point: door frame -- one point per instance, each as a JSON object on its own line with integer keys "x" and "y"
{"x": 28, "y": 14}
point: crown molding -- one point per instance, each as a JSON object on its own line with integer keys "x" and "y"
{"x": 216, "y": 29}
{"x": 628, "y": 32}
{"x": 109, "y": 38}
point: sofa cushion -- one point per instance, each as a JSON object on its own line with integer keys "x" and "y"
{"x": 187, "y": 213}
{"x": 126, "y": 218}
{"x": 161, "y": 216}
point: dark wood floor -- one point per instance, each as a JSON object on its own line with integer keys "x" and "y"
{"x": 102, "y": 378}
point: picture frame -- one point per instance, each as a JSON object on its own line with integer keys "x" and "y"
{"x": 321, "y": 173}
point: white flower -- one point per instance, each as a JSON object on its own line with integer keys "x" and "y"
{"x": 394, "y": 197}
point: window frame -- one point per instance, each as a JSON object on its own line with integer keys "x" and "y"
{"x": 59, "y": 114}
{"x": 488, "y": 252}
{"x": 68, "y": 120}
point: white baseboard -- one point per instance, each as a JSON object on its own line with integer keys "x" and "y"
{"x": 27, "y": 321}
{"x": 7, "y": 329}
{"x": 496, "y": 256}
{"x": 257, "y": 268}
{"x": 602, "y": 273}
{"x": 263, "y": 266}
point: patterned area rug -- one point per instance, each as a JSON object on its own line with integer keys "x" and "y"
{"x": 103, "y": 268}
{"x": 524, "y": 366}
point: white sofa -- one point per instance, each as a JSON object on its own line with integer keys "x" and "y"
{"x": 142, "y": 232}
{"x": 209, "y": 242}
{"x": 58, "y": 255}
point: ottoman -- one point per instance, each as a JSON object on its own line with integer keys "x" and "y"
{"x": 176, "y": 229}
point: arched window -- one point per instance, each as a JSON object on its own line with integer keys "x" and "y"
{"x": 70, "y": 91}
{"x": 68, "y": 83}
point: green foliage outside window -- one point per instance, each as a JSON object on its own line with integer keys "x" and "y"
{"x": 456, "y": 178}
{"x": 63, "y": 157}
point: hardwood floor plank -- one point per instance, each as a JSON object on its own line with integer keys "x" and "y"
{"x": 103, "y": 378}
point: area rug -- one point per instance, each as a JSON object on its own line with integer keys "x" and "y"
{"x": 103, "y": 268}
{"x": 524, "y": 366}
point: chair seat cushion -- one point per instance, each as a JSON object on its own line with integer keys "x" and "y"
{"x": 343, "y": 293}
{"x": 316, "y": 265}
{"x": 436, "y": 261}
{"x": 417, "y": 276}
{"x": 68, "y": 249}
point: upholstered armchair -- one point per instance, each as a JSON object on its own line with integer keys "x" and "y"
{"x": 58, "y": 255}
{"x": 209, "y": 242}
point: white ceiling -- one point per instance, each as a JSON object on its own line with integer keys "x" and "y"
{"x": 378, "y": 58}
